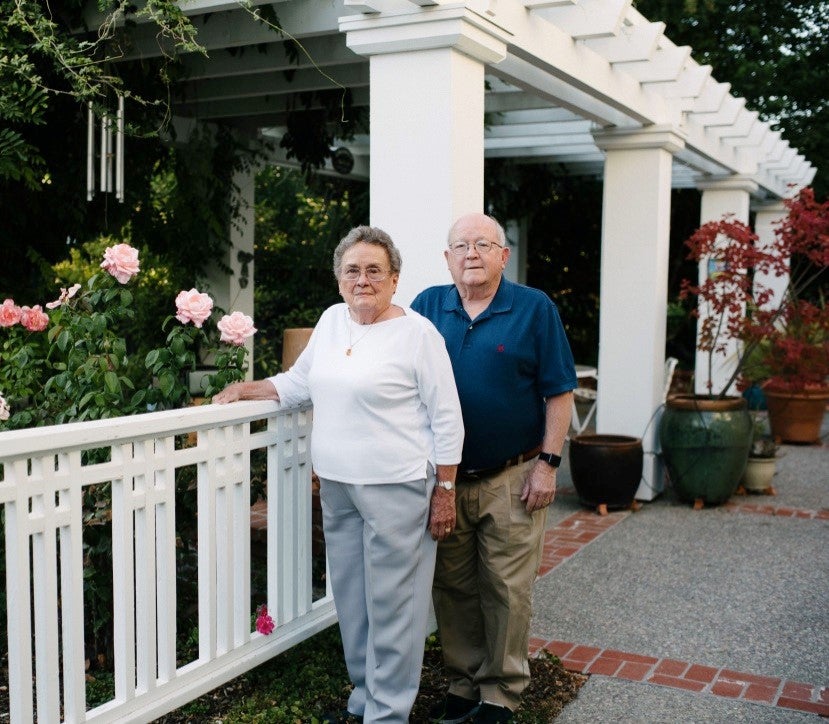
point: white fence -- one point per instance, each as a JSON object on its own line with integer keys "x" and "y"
{"x": 45, "y": 473}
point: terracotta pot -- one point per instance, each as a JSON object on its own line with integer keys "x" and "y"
{"x": 606, "y": 469}
{"x": 705, "y": 444}
{"x": 797, "y": 416}
{"x": 294, "y": 340}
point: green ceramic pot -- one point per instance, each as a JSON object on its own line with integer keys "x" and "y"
{"x": 705, "y": 444}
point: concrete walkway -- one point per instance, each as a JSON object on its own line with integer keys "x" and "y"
{"x": 680, "y": 615}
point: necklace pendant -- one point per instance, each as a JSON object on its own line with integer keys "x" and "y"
{"x": 348, "y": 352}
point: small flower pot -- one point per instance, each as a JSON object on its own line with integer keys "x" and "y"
{"x": 758, "y": 475}
{"x": 606, "y": 469}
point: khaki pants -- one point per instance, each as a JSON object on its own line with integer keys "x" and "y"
{"x": 483, "y": 588}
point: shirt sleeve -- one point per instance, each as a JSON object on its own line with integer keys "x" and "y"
{"x": 436, "y": 384}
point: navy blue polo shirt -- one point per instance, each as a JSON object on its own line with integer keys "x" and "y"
{"x": 506, "y": 361}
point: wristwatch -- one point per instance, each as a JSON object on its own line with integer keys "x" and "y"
{"x": 551, "y": 459}
{"x": 446, "y": 484}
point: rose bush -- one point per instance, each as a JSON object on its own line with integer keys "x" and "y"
{"x": 72, "y": 363}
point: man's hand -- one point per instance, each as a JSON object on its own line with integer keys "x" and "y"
{"x": 540, "y": 486}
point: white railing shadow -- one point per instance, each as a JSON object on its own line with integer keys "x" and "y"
{"x": 44, "y": 474}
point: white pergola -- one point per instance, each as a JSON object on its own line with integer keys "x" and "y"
{"x": 589, "y": 85}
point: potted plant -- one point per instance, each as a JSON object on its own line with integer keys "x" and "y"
{"x": 705, "y": 439}
{"x": 762, "y": 460}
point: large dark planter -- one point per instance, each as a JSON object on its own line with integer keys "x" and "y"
{"x": 705, "y": 444}
{"x": 797, "y": 416}
{"x": 606, "y": 469}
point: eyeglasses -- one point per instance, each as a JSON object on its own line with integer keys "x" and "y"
{"x": 482, "y": 246}
{"x": 373, "y": 274}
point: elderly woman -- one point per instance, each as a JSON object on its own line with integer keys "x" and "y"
{"x": 387, "y": 438}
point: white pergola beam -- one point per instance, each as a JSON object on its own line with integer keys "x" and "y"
{"x": 580, "y": 153}
{"x": 687, "y": 86}
{"x": 236, "y": 28}
{"x": 711, "y": 97}
{"x": 269, "y": 106}
{"x": 566, "y": 129}
{"x": 538, "y": 115}
{"x": 725, "y": 115}
{"x": 665, "y": 64}
{"x": 325, "y": 50}
{"x": 587, "y": 19}
{"x": 633, "y": 42}
{"x": 350, "y": 76}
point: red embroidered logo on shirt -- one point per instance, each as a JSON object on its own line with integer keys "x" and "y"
{"x": 500, "y": 348}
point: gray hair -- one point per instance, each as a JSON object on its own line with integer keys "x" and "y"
{"x": 367, "y": 235}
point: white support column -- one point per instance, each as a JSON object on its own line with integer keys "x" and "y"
{"x": 234, "y": 293}
{"x": 766, "y": 221}
{"x": 720, "y": 197}
{"x": 634, "y": 287}
{"x": 427, "y": 132}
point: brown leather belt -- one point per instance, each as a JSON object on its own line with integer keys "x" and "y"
{"x": 471, "y": 476}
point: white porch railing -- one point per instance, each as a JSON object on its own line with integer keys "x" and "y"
{"x": 41, "y": 491}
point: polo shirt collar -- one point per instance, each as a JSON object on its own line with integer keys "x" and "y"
{"x": 501, "y": 302}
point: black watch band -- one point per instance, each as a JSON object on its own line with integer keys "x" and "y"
{"x": 551, "y": 459}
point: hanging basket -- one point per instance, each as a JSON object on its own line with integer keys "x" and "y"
{"x": 797, "y": 416}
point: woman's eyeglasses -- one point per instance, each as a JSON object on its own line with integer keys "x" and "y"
{"x": 482, "y": 246}
{"x": 373, "y": 274}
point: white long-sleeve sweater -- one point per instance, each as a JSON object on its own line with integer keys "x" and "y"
{"x": 384, "y": 411}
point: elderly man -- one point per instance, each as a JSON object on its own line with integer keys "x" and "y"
{"x": 515, "y": 375}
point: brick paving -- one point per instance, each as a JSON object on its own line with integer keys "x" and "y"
{"x": 585, "y": 527}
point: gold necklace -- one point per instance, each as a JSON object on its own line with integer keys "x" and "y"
{"x": 350, "y": 323}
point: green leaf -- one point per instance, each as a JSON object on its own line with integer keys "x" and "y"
{"x": 64, "y": 340}
{"x": 112, "y": 382}
{"x": 167, "y": 383}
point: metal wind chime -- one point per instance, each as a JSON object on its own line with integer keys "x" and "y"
{"x": 110, "y": 154}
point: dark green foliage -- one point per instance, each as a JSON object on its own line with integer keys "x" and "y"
{"x": 299, "y": 222}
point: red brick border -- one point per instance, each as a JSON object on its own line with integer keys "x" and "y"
{"x": 572, "y": 534}
{"x": 578, "y": 530}
{"x": 779, "y": 510}
{"x": 723, "y": 682}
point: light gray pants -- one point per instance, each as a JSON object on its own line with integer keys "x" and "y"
{"x": 382, "y": 560}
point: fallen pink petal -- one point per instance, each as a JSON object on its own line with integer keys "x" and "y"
{"x": 264, "y": 623}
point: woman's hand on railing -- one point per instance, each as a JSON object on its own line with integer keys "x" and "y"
{"x": 256, "y": 390}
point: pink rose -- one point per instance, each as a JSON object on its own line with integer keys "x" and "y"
{"x": 121, "y": 261}
{"x": 65, "y": 296}
{"x": 193, "y": 306}
{"x": 236, "y": 328}
{"x": 264, "y": 623}
{"x": 5, "y": 412}
{"x": 34, "y": 319}
{"x": 9, "y": 313}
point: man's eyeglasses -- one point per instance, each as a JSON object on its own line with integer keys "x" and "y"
{"x": 482, "y": 246}
{"x": 373, "y": 274}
